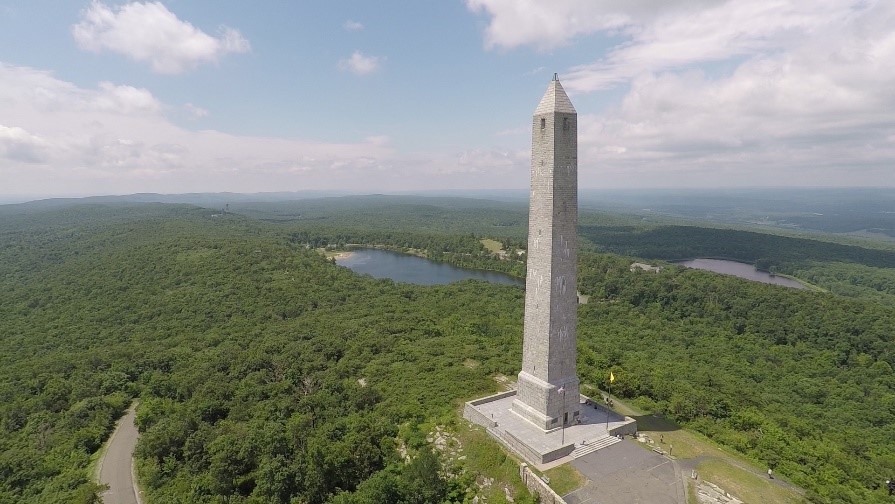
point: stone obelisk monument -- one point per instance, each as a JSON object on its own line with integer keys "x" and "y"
{"x": 548, "y": 384}
{"x": 546, "y": 400}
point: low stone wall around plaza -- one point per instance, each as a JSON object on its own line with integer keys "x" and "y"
{"x": 536, "y": 485}
{"x": 477, "y": 417}
{"x": 471, "y": 413}
{"x": 628, "y": 429}
{"x": 530, "y": 454}
{"x": 521, "y": 448}
{"x": 495, "y": 397}
{"x": 557, "y": 453}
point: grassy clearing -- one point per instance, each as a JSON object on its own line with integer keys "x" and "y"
{"x": 672, "y": 438}
{"x": 746, "y": 486}
{"x": 493, "y": 246}
{"x": 565, "y": 479}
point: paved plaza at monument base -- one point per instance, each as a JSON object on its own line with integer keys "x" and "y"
{"x": 597, "y": 429}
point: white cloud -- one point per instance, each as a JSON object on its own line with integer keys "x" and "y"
{"x": 352, "y": 25}
{"x": 116, "y": 139}
{"x": 550, "y": 24}
{"x": 149, "y": 32}
{"x": 360, "y": 64}
{"x": 724, "y": 32}
{"x": 61, "y": 139}
{"x": 377, "y": 140}
{"x": 195, "y": 112}
{"x": 17, "y": 144}
{"x": 23, "y": 88}
{"x": 124, "y": 99}
{"x": 522, "y": 130}
{"x": 725, "y": 92}
{"x": 477, "y": 160}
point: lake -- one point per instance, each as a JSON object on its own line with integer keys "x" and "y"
{"x": 416, "y": 270}
{"x": 741, "y": 270}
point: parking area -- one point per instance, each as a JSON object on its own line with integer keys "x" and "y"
{"x": 625, "y": 473}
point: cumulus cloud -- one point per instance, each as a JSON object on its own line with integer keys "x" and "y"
{"x": 352, "y": 26}
{"x": 59, "y": 138}
{"x": 149, "y": 32}
{"x": 17, "y": 144}
{"x": 115, "y": 138}
{"x": 360, "y": 64}
{"x": 477, "y": 160}
{"x": 522, "y": 130}
{"x": 549, "y": 24}
{"x": 724, "y": 92}
{"x": 124, "y": 99}
{"x": 25, "y": 89}
{"x": 724, "y": 32}
{"x": 378, "y": 139}
{"x": 195, "y": 112}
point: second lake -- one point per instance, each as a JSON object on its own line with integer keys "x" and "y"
{"x": 741, "y": 270}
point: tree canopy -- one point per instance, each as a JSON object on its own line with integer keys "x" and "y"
{"x": 267, "y": 373}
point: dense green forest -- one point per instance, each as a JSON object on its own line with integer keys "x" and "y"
{"x": 448, "y": 229}
{"x": 849, "y": 270}
{"x": 268, "y": 374}
{"x": 248, "y": 352}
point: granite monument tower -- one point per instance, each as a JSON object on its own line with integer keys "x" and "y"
{"x": 548, "y": 383}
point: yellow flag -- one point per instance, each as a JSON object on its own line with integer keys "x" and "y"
{"x": 611, "y": 377}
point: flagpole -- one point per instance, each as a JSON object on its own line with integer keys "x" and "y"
{"x": 609, "y": 400}
{"x": 563, "y": 391}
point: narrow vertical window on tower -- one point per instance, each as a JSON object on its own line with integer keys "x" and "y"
{"x": 565, "y": 124}
{"x": 543, "y": 123}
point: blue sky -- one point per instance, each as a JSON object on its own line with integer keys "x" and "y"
{"x": 100, "y": 97}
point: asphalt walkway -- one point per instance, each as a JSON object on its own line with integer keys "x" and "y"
{"x": 625, "y": 473}
{"x": 116, "y": 466}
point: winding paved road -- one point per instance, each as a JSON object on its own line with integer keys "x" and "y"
{"x": 117, "y": 465}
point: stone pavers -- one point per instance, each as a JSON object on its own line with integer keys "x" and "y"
{"x": 593, "y": 428}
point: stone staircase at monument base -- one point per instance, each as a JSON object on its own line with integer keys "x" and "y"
{"x": 592, "y": 446}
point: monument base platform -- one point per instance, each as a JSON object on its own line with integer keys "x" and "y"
{"x": 598, "y": 427}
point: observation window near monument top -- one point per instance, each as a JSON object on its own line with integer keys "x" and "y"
{"x": 543, "y": 123}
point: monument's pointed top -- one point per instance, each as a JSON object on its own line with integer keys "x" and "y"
{"x": 555, "y": 99}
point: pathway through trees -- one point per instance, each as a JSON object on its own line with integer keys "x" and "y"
{"x": 117, "y": 465}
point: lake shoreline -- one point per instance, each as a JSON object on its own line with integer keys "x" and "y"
{"x": 404, "y": 267}
{"x": 742, "y": 270}
{"x": 343, "y": 255}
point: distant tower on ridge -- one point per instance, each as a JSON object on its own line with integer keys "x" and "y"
{"x": 548, "y": 384}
